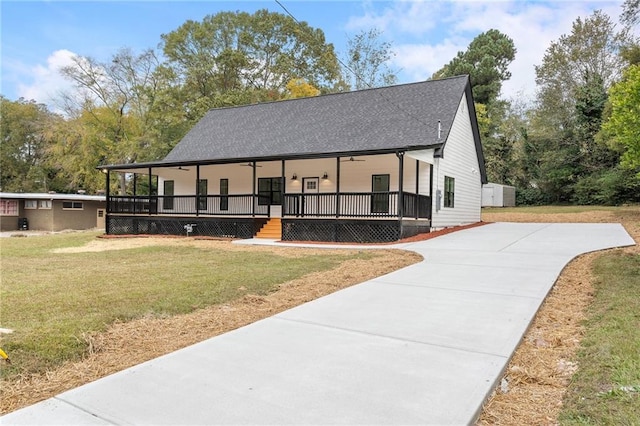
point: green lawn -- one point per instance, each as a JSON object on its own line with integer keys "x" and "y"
{"x": 51, "y": 299}
{"x": 606, "y": 388}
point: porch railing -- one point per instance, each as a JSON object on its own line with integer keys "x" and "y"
{"x": 218, "y": 205}
{"x": 344, "y": 205}
{"x": 356, "y": 205}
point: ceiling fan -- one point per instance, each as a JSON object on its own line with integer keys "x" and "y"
{"x": 250, "y": 165}
{"x": 351, "y": 159}
{"x": 184, "y": 169}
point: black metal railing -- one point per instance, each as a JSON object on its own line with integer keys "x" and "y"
{"x": 356, "y": 205}
{"x": 343, "y": 205}
{"x": 214, "y": 205}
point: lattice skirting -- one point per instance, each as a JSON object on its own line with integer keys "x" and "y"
{"x": 210, "y": 227}
{"x": 352, "y": 231}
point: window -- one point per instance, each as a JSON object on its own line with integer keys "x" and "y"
{"x": 72, "y": 205}
{"x": 8, "y": 207}
{"x": 312, "y": 185}
{"x": 449, "y": 191}
{"x": 45, "y": 204}
{"x": 269, "y": 191}
{"x": 202, "y": 191}
{"x": 380, "y": 202}
{"x": 224, "y": 190}
{"x": 30, "y": 204}
{"x": 167, "y": 199}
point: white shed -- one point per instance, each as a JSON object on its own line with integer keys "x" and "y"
{"x": 496, "y": 195}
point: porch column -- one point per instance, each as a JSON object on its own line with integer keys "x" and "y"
{"x": 282, "y": 191}
{"x": 253, "y": 190}
{"x": 417, "y": 187}
{"x": 337, "y": 187}
{"x": 198, "y": 190}
{"x": 135, "y": 191}
{"x": 107, "y": 192}
{"x": 400, "y": 156}
{"x": 150, "y": 192}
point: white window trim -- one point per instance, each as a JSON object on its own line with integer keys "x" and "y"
{"x": 15, "y": 202}
{"x": 73, "y": 203}
{"x": 30, "y": 204}
{"x": 45, "y": 204}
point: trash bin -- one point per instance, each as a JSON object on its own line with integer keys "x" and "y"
{"x": 23, "y": 224}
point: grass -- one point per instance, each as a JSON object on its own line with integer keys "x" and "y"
{"x": 52, "y": 299}
{"x": 606, "y": 388}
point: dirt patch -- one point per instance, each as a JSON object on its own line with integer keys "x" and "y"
{"x": 537, "y": 377}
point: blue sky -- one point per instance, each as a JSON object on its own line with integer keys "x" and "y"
{"x": 38, "y": 37}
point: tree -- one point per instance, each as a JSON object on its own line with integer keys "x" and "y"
{"x": 237, "y": 57}
{"x": 630, "y": 12}
{"x": 573, "y": 79}
{"x": 25, "y": 136}
{"x": 298, "y": 88}
{"x": 624, "y": 123}
{"x": 367, "y": 60}
{"x": 486, "y": 60}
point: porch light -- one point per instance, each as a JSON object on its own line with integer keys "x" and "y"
{"x": 294, "y": 177}
{"x": 325, "y": 176}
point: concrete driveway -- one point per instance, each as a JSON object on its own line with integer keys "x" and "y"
{"x": 422, "y": 345}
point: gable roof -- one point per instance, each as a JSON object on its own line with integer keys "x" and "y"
{"x": 385, "y": 119}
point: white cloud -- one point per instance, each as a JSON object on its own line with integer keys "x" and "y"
{"x": 427, "y": 35}
{"x": 45, "y": 81}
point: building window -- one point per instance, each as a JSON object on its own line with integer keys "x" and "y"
{"x": 202, "y": 192}
{"x": 72, "y": 205}
{"x": 8, "y": 207}
{"x": 167, "y": 199}
{"x": 45, "y": 204}
{"x": 224, "y": 190}
{"x": 380, "y": 196}
{"x": 449, "y": 191}
{"x": 30, "y": 204}
{"x": 269, "y": 191}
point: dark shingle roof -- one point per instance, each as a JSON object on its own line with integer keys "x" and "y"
{"x": 373, "y": 120}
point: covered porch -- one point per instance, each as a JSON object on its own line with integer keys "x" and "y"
{"x": 355, "y": 198}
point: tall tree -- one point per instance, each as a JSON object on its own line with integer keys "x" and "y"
{"x": 237, "y": 57}
{"x": 367, "y": 60}
{"x": 631, "y": 12}
{"x": 623, "y": 125}
{"x": 24, "y": 135}
{"x": 573, "y": 80}
{"x": 486, "y": 60}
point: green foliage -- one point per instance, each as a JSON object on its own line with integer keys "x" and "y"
{"x": 607, "y": 187}
{"x": 367, "y": 58}
{"x": 623, "y": 126}
{"x": 486, "y": 60}
{"x": 232, "y": 53}
{"x": 25, "y": 137}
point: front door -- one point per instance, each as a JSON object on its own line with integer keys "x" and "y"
{"x": 100, "y": 220}
{"x": 310, "y": 201}
{"x": 270, "y": 193}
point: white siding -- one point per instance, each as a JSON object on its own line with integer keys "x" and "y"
{"x": 355, "y": 176}
{"x": 460, "y": 161}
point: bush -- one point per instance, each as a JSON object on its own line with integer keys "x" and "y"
{"x": 609, "y": 187}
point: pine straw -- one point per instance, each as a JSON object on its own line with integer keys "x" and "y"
{"x": 537, "y": 377}
{"x": 129, "y": 343}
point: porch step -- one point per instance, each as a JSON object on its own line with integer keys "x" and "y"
{"x": 272, "y": 229}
